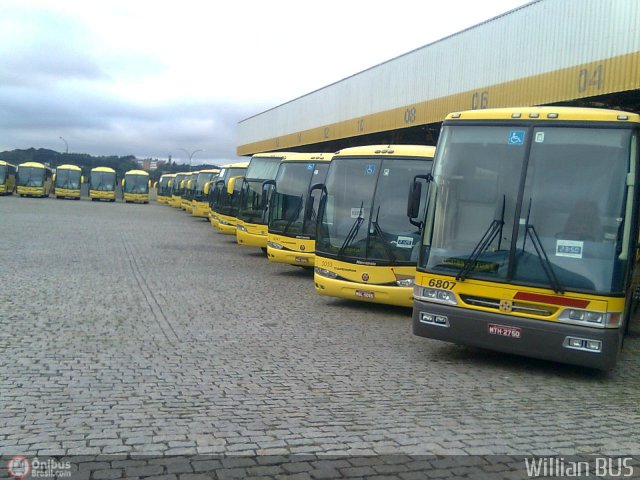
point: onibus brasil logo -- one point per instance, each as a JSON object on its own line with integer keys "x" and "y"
{"x": 19, "y": 466}
{"x": 22, "y": 467}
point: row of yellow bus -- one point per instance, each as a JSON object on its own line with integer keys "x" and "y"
{"x": 34, "y": 179}
{"x": 520, "y": 233}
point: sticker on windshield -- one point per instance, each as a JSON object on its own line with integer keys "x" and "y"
{"x": 569, "y": 248}
{"x": 516, "y": 137}
{"x": 539, "y": 137}
{"x": 385, "y": 172}
{"x": 370, "y": 169}
{"x": 310, "y": 166}
{"x": 404, "y": 242}
{"x": 315, "y": 172}
{"x": 356, "y": 212}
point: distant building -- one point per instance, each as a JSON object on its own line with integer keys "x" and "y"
{"x": 149, "y": 165}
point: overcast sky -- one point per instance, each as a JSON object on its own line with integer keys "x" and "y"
{"x": 149, "y": 79}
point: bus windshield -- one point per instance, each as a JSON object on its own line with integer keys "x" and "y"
{"x": 136, "y": 184}
{"x": 251, "y": 207}
{"x": 222, "y": 202}
{"x": 30, "y": 176}
{"x": 103, "y": 181}
{"x": 561, "y": 229}
{"x": 201, "y": 180}
{"x": 286, "y": 209}
{"x": 175, "y": 189}
{"x": 163, "y": 185}
{"x": 3, "y": 173}
{"x": 69, "y": 179}
{"x": 363, "y": 215}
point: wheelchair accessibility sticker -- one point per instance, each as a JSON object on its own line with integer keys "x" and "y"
{"x": 516, "y": 137}
{"x": 370, "y": 169}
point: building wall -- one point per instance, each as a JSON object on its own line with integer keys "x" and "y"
{"x": 544, "y": 52}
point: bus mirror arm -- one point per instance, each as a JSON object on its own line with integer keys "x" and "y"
{"x": 308, "y": 207}
{"x": 413, "y": 202}
{"x": 265, "y": 191}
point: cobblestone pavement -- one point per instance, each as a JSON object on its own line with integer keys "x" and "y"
{"x": 136, "y": 329}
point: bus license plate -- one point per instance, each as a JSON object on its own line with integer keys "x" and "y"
{"x": 504, "y": 331}
{"x": 301, "y": 260}
{"x": 365, "y": 294}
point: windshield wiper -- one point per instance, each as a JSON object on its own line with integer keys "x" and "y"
{"x": 495, "y": 228}
{"x": 380, "y": 234}
{"x": 545, "y": 263}
{"x": 353, "y": 231}
{"x": 294, "y": 217}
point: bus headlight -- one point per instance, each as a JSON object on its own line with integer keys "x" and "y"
{"x": 275, "y": 245}
{"x": 434, "y": 295}
{"x": 405, "y": 282}
{"x": 593, "y": 319}
{"x": 242, "y": 228}
{"x": 325, "y": 273}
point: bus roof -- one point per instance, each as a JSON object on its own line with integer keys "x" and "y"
{"x": 210, "y": 170}
{"x": 68, "y": 166}
{"x": 547, "y": 113}
{"x": 168, "y": 175}
{"x": 33, "y": 164}
{"x": 272, "y": 154}
{"x": 394, "y": 150}
{"x": 306, "y": 157}
{"x": 236, "y": 165}
{"x": 103, "y": 169}
{"x": 136, "y": 172}
{"x": 2, "y": 162}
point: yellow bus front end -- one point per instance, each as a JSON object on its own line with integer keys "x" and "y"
{"x": 203, "y": 184}
{"x": 7, "y": 178}
{"x": 366, "y": 247}
{"x": 33, "y": 180}
{"x": 223, "y": 197}
{"x": 530, "y": 234}
{"x": 226, "y": 224}
{"x": 102, "y": 184}
{"x": 293, "y": 208}
{"x": 291, "y": 250}
{"x": 251, "y": 234}
{"x": 163, "y": 192}
{"x": 177, "y": 189}
{"x": 67, "y": 182}
{"x": 135, "y": 187}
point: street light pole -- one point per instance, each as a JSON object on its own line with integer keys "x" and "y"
{"x": 190, "y": 154}
{"x": 66, "y": 145}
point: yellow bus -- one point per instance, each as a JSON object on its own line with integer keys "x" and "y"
{"x": 135, "y": 186}
{"x": 199, "y": 203}
{"x": 33, "y": 180}
{"x": 366, "y": 247}
{"x": 293, "y": 208}
{"x": 224, "y": 195}
{"x": 164, "y": 187}
{"x": 177, "y": 189}
{"x": 530, "y": 236}
{"x": 7, "y": 178}
{"x": 251, "y": 227}
{"x": 188, "y": 191}
{"x": 102, "y": 184}
{"x": 67, "y": 182}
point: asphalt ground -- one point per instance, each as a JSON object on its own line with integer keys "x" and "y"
{"x": 137, "y": 330}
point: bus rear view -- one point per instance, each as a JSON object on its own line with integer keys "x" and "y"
{"x": 530, "y": 233}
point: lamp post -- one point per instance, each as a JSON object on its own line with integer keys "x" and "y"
{"x": 190, "y": 154}
{"x": 66, "y": 145}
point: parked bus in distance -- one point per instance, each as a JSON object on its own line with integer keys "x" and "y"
{"x": 163, "y": 188}
{"x": 67, "y": 182}
{"x": 531, "y": 233}
{"x": 102, "y": 184}
{"x": 188, "y": 191}
{"x": 224, "y": 196}
{"x": 135, "y": 186}
{"x": 366, "y": 247}
{"x": 33, "y": 180}
{"x": 251, "y": 228}
{"x": 199, "y": 203}
{"x": 7, "y": 178}
{"x": 293, "y": 208}
{"x": 177, "y": 189}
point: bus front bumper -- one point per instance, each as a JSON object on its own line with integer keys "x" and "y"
{"x": 252, "y": 235}
{"x": 67, "y": 193}
{"x": 364, "y": 292}
{"x": 291, "y": 257}
{"x": 200, "y": 209}
{"x": 517, "y": 335}
{"x": 162, "y": 199}
{"x": 136, "y": 197}
{"x": 102, "y": 195}
{"x": 31, "y": 191}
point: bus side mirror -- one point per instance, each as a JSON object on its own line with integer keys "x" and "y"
{"x": 413, "y": 202}
{"x": 170, "y": 184}
{"x": 267, "y": 186}
{"x": 155, "y": 184}
{"x": 207, "y": 187}
{"x": 232, "y": 183}
{"x": 54, "y": 177}
{"x": 308, "y": 205}
{"x": 122, "y": 183}
{"x": 181, "y": 184}
{"x": 81, "y": 178}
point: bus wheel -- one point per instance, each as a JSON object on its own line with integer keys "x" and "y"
{"x": 264, "y": 250}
